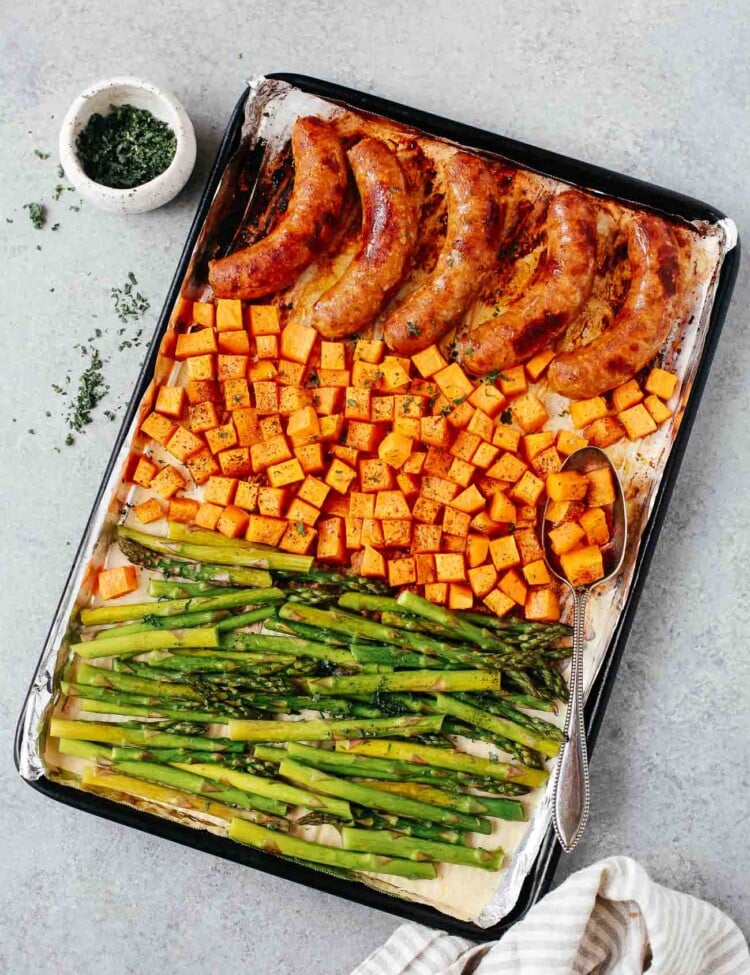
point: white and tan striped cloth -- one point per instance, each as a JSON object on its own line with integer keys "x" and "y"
{"x": 609, "y": 919}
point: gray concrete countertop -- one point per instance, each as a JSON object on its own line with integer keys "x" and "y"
{"x": 657, "y": 90}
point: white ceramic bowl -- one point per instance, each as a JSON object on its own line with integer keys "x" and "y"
{"x": 140, "y": 94}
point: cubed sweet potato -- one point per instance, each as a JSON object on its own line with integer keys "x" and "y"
{"x": 568, "y": 442}
{"x": 200, "y": 342}
{"x": 450, "y": 567}
{"x": 297, "y": 342}
{"x": 661, "y": 383}
{"x": 167, "y": 482}
{"x": 145, "y": 471}
{"x": 535, "y": 443}
{"x": 229, "y": 315}
{"x": 509, "y": 468}
{"x": 658, "y": 410}
{"x": 601, "y": 488}
{"x": 339, "y": 477}
{"x": 429, "y": 361}
{"x": 170, "y": 400}
{"x": 273, "y": 451}
{"x": 625, "y": 396}
{"x": 204, "y": 313}
{"x": 485, "y": 455}
{"x": 202, "y": 466}
{"x": 182, "y": 510}
{"x": 236, "y": 394}
{"x": 267, "y": 346}
{"x": 460, "y": 596}
{"x": 426, "y": 510}
{"x": 264, "y": 320}
{"x": 637, "y": 421}
{"x": 538, "y": 363}
{"x": 202, "y": 417}
{"x": 401, "y": 572}
{"x": 502, "y": 509}
{"x": 461, "y": 411}
{"x": 529, "y": 413}
{"x": 201, "y": 367}
{"x": 546, "y": 462}
{"x": 265, "y": 531}
{"x": 221, "y": 438}
{"x": 331, "y": 540}
{"x": 498, "y": 602}
{"x": 235, "y": 462}
{"x": 246, "y": 495}
{"x": 148, "y": 511}
{"x": 436, "y": 592}
{"x": 116, "y": 582}
{"x": 482, "y": 580}
{"x": 594, "y": 523}
{"x": 513, "y": 381}
{"x": 371, "y": 563}
{"x": 487, "y": 398}
{"x": 514, "y": 587}
{"x": 298, "y": 538}
{"x": 234, "y": 343}
{"x": 583, "y": 566}
{"x": 470, "y": 500}
{"x": 605, "y": 431}
{"x": 542, "y": 605}
{"x": 528, "y": 489}
{"x": 159, "y": 428}
{"x": 287, "y": 472}
{"x": 208, "y": 516}
{"x": 504, "y": 552}
{"x": 477, "y": 549}
{"x": 536, "y": 573}
{"x": 203, "y": 391}
{"x": 220, "y": 490}
{"x": 585, "y": 411}
{"x": 506, "y": 437}
{"x": 231, "y": 367}
{"x": 565, "y": 537}
{"x": 567, "y": 486}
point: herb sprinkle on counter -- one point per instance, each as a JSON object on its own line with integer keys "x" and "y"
{"x": 126, "y": 148}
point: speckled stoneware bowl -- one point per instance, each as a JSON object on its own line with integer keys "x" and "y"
{"x": 140, "y": 94}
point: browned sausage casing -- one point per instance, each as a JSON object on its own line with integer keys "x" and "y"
{"x": 642, "y": 324}
{"x": 389, "y": 233}
{"x": 555, "y": 297}
{"x": 305, "y": 229}
{"x": 468, "y": 254}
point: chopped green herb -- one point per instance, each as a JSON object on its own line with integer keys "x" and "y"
{"x": 413, "y": 330}
{"x": 300, "y": 528}
{"x": 37, "y": 214}
{"x": 313, "y": 379}
{"x": 55, "y": 226}
{"x": 40, "y": 154}
{"x": 59, "y": 190}
{"x": 506, "y": 416}
{"x": 126, "y": 148}
{"x": 129, "y": 305}
{"x": 491, "y": 377}
{"x": 60, "y": 172}
{"x": 91, "y": 391}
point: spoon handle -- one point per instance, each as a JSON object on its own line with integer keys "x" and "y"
{"x": 571, "y": 793}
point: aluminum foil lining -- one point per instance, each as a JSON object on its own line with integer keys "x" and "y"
{"x": 272, "y": 107}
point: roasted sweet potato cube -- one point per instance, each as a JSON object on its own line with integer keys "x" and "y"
{"x": 204, "y": 313}
{"x": 339, "y": 477}
{"x": 221, "y": 438}
{"x": 372, "y": 533}
{"x": 331, "y": 427}
{"x": 482, "y": 580}
{"x": 424, "y": 564}
{"x": 450, "y": 567}
{"x": 427, "y": 538}
{"x": 485, "y": 455}
{"x": 262, "y": 371}
{"x": 290, "y": 373}
{"x": 202, "y": 466}
{"x": 498, "y": 602}
{"x": 481, "y": 522}
{"x": 506, "y": 437}
{"x": 374, "y": 475}
{"x": 429, "y": 361}
{"x": 439, "y": 489}
{"x": 202, "y": 417}
{"x": 527, "y": 516}
{"x": 271, "y": 426}
{"x": 470, "y": 500}
{"x": 203, "y": 391}
{"x": 170, "y": 400}
{"x": 528, "y": 546}
{"x": 456, "y": 522}
{"x": 396, "y": 534}
{"x": 426, "y": 510}
{"x": 460, "y": 411}
{"x": 148, "y": 511}
{"x": 436, "y": 592}
{"x": 339, "y": 378}
{"x": 529, "y": 413}
{"x": 546, "y": 462}
{"x": 220, "y": 490}
{"x": 504, "y": 552}
{"x": 626, "y": 396}
{"x": 208, "y": 516}
{"x": 183, "y": 444}
{"x": 308, "y": 514}
{"x": 371, "y": 564}
{"x": 465, "y": 445}
{"x": 513, "y": 586}
{"x": 357, "y": 403}
{"x": 231, "y": 367}
{"x": 287, "y": 472}
{"x": 361, "y": 505}
{"x": 182, "y": 510}
{"x": 364, "y": 375}
{"x": 605, "y": 431}
{"x": 159, "y": 428}
{"x": 201, "y": 367}
{"x": 583, "y": 566}
{"x": 234, "y": 343}
{"x": 567, "y": 486}
{"x": 557, "y": 511}
{"x": 460, "y": 596}
{"x": 267, "y": 346}
{"x": 594, "y": 523}
{"x": 434, "y": 430}
{"x": 394, "y": 448}
{"x": 585, "y": 411}
{"x": 395, "y": 370}
{"x": 311, "y": 458}
{"x": 247, "y": 426}
{"x": 298, "y": 538}
{"x": 292, "y": 399}
{"x": 409, "y": 484}
{"x": 477, "y": 550}
{"x": 487, "y": 398}
{"x": 271, "y": 501}
{"x": 542, "y": 605}
{"x": 565, "y": 537}
{"x": 369, "y": 350}
{"x": 453, "y": 383}
{"x": 167, "y": 482}
{"x": 391, "y": 504}
{"x": 247, "y": 495}
{"x": 538, "y": 363}
{"x": 601, "y": 488}
{"x": 637, "y": 421}
{"x": 536, "y": 443}
{"x": 297, "y": 343}
{"x": 536, "y": 573}
{"x": 266, "y": 398}
{"x": 264, "y": 319}
{"x": 364, "y": 436}
{"x": 116, "y": 582}
{"x": 328, "y": 400}
{"x": 661, "y": 383}
{"x": 274, "y": 451}
{"x": 513, "y": 381}
{"x": 332, "y": 355}
{"x": 303, "y": 424}
{"x": 331, "y": 540}
{"x": 235, "y": 462}
{"x": 353, "y": 532}
{"x": 460, "y": 472}
{"x": 502, "y": 509}
{"x": 229, "y": 315}
{"x": 401, "y": 572}
{"x": 382, "y": 409}
{"x": 453, "y": 543}
{"x": 265, "y": 531}
{"x": 528, "y": 489}
{"x": 437, "y": 462}
{"x": 658, "y": 410}
{"x": 200, "y": 342}
{"x": 509, "y": 468}
{"x": 567, "y": 442}
{"x": 145, "y": 471}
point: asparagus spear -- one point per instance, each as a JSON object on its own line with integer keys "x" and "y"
{"x": 286, "y": 845}
{"x": 97, "y": 778}
{"x": 114, "y": 680}
{"x": 501, "y": 706}
{"x": 447, "y": 758}
{"x": 189, "y": 779}
{"x": 168, "y": 589}
{"x": 198, "y": 574}
{"x": 321, "y": 730}
{"x": 526, "y": 756}
{"x": 345, "y": 763}
{"x": 140, "y": 642}
{"x": 121, "y": 705}
{"x": 320, "y": 781}
{"x": 177, "y": 622}
{"x": 407, "y": 680}
{"x": 496, "y": 725}
{"x": 288, "y": 645}
{"x": 408, "y": 827}
{"x": 236, "y": 621}
{"x": 212, "y": 547}
{"x": 461, "y": 802}
{"x": 314, "y": 633}
{"x": 118, "y": 734}
{"x": 394, "y": 844}
{"x": 231, "y": 599}
{"x": 280, "y": 791}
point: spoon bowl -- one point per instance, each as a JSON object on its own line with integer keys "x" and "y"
{"x": 571, "y": 792}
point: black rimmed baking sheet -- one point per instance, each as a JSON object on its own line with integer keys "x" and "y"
{"x": 580, "y": 174}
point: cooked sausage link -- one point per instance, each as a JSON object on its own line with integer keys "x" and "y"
{"x": 389, "y": 233}
{"x": 554, "y": 298}
{"x": 642, "y": 324}
{"x": 467, "y": 256}
{"x": 305, "y": 229}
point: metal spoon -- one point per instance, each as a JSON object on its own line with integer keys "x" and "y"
{"x": 571, "y": 791}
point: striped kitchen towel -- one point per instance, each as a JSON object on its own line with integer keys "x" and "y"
{"x": 609, "y": 918}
